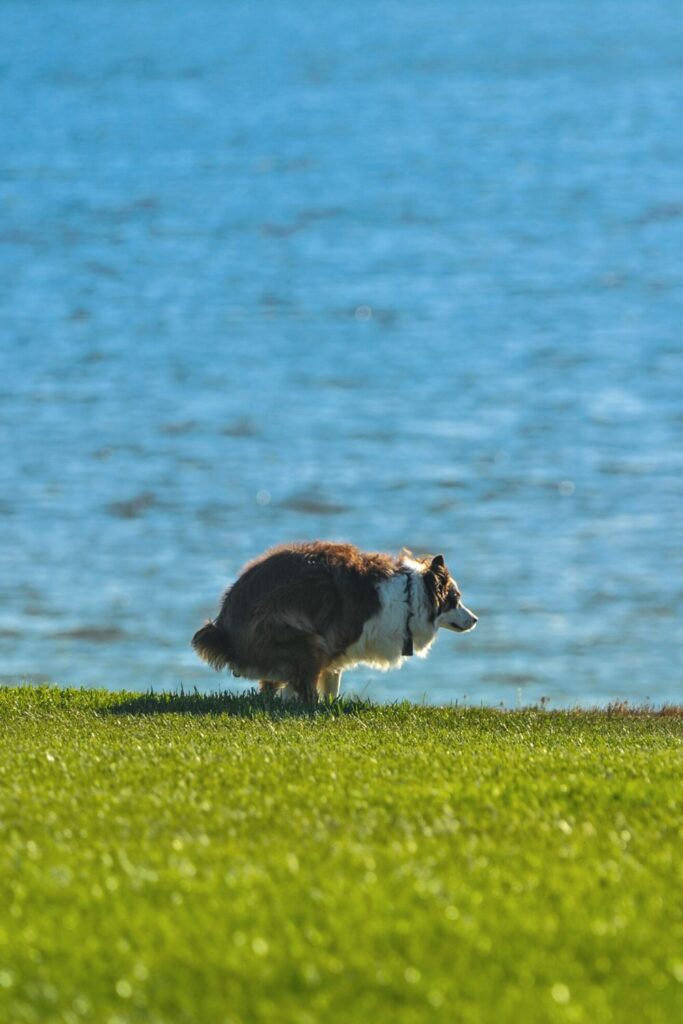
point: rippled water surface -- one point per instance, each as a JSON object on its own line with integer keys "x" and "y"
{"x": 404, "y": 274}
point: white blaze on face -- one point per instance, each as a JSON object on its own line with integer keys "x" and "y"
{"x": 460, "y": 619}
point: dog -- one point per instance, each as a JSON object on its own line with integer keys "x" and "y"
{"x": 301, "y": 614}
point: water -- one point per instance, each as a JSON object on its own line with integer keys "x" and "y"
{"x": 403, "y": 274}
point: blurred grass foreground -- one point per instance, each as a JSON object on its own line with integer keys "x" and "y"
{"x": 221, "y": 859}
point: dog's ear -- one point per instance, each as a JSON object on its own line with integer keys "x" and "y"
{"x": 436, "y": 582}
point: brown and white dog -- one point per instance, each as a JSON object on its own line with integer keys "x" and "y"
{"x": 301, "y": 614}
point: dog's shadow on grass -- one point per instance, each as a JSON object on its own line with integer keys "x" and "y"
{"x": 254, "y": 704}
{"x": 236, "y": 705}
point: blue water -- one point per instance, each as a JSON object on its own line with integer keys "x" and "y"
{"x": 403, "y": 274}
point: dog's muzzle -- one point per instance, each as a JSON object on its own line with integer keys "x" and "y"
{"x": 462, "y": 620}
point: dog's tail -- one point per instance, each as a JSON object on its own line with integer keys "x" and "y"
{"x": 213, "y": 646}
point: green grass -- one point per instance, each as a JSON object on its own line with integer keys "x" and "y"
{"x": 214, "y": 859}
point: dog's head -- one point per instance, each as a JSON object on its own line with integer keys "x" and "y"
{"x": 449, "y": 611}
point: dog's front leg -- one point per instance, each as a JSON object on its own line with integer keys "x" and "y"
{"x": 329, "y": 684}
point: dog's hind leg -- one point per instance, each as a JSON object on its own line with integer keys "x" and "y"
{"x": 295, "y": 655}
{"x": 285, "y": 691}
{"x": 306, "y": 667}
{"x": 305, "y": 684}
{"x": 329, "y": 684}
{"x": 268, "y": 687}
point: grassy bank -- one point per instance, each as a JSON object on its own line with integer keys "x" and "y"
{"x": 189, "y": 859}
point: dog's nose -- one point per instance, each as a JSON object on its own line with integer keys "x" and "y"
{"x": 475, "y": 619}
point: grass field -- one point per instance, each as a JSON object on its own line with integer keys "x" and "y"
{"x": 213, "y": 859}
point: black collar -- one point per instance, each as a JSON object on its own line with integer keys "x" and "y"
{"x": 408, "y": 634}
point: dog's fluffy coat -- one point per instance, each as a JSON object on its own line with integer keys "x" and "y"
{"x": 300, "y": 614}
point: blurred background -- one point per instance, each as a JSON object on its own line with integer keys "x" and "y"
{"x": 395, "y": 273}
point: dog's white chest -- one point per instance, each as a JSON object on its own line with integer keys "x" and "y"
{"x": 381, "y": 642}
